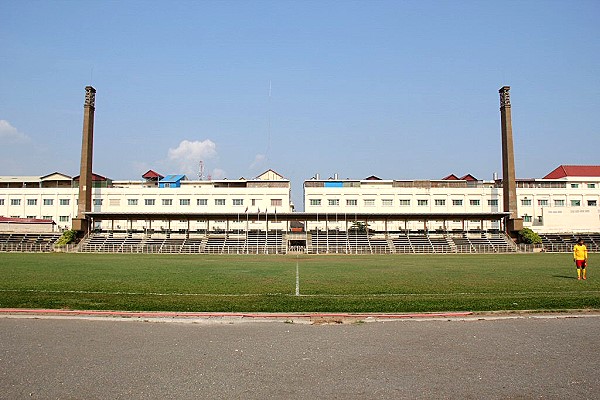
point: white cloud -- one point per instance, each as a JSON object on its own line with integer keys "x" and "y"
{"x": 218, "y": 173}
{"x": 10, "y": 133}
{"x": 259, "y": 160}
{"x": 187, "y": 155}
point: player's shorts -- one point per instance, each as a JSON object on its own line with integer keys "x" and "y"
{"x": 580, "y": 263}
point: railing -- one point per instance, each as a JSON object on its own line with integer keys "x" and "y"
{"x": 255, "y": 245}
{"x": 25, "y": 247}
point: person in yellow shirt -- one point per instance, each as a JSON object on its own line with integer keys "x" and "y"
{"x": 580, "y": 255}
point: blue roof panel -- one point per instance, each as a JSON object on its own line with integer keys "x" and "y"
{"x": 173, "y": 178}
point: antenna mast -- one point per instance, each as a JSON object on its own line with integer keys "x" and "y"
{"x": 201, "y": 171}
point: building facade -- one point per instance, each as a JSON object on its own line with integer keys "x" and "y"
{"x": 565, "y": 200}
{"x": 55, "y": 197}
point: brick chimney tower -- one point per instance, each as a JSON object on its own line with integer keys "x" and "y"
{"x": 509, "y": 182}
{"x": 80, "y": 223}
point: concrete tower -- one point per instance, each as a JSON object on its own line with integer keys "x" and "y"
{"x": 80, "y": 223}
{"x": 509, "y": 182}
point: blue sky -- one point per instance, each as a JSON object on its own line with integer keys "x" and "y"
{"x": 397, "y": 89}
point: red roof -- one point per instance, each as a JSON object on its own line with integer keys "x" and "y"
{"x": 450, "y": 177}
{"x": 563, "y": 171}
{"x": 25, "y": 220}
{"x": 95, "y": 177}
{"x": 152, "y": 175}
{"x": 468, "y": 177}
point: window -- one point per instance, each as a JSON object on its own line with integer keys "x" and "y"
{"x": 526, "y": 218}
{"x": 219, "y": 202}
{"x": 315, "y": 202}
{"x": 48, "y": 202}
{"x": 114, "y": 202}
{"x": 202, "y": 202}
{"x": 591, "y": 186}
{"x": 370, "y": 202}
{"x": 540, "y": 219}
{"x": 542, "y": 202}
{"x": 525, "y": 202}
{"x": 456, "y": 202}
{"x": 184, "y": 202}
{"x": 15, "y": 202}
{"x": 149, "y": 202}
{"x": 333, "y": 202}
{"x": 32, "y": 216}
{"x": 63, "y": 218}
{"x": 32, "y": 202}
{"x": 167, "y": 202}
{"x": 575, "y": 203}
{"x": 351, "y": 202}
{"x": 422, "y": 202}
{"x": 559, "y": 203}
{"x": 132, "y": 202}
{"x": 440, "y": 202}
{"x": 97, "y": 202}
{"x": 279, "y": 202}
{"x": 64, "y": 202}
{"x": 474, "y": 202}
{"x": 49, "y": 217}
{"x": 387, "y": 202}
{"x": 493, "y": 202}
{"x": 592, "y": 203}
{"x": 574, "y": 185}
{"x": 238, "y": 202}
{"x": 404, "y": 202}
{"x": 1, "y": 202}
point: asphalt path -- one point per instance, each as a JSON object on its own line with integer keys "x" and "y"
{"x": 463, "y": 358}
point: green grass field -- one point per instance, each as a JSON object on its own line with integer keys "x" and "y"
{"x": 327, "y": 283}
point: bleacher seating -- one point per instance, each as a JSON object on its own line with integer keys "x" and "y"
{"x": 321, "y": 242}
{"x": 563, "y": 243}
{"x": 28, "y": 242}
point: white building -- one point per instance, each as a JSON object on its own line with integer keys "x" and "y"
{"x": 565, "y": 200}
{"x": 55, "y": 196}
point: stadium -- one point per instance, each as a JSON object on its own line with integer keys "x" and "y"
{"x": 175, "y": 214}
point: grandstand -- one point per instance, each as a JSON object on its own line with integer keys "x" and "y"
{"x": 313, "y": 242}
{"x": 281, "y": 242}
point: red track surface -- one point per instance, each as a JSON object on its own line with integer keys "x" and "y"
{"x": 160, "y": 314}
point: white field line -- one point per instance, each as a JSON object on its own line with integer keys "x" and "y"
{"x": 297, "y": 279}
{"x": 368, "y": 295}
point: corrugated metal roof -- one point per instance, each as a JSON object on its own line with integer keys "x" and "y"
{"x": 56, "y": 176}
{"x": 19, "y": 178}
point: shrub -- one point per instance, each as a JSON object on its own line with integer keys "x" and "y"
{"x": 66, "y": 238}
{"x": 528, "y": 236}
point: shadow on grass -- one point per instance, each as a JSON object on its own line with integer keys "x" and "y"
{"x": 564, "y": 276}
